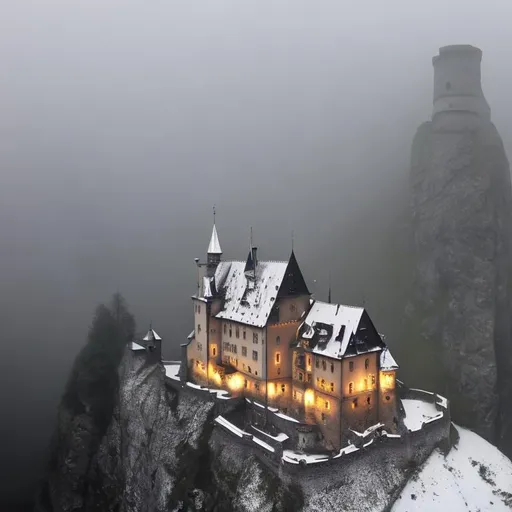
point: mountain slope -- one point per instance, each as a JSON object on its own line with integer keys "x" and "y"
{"x": 474, "y": 476}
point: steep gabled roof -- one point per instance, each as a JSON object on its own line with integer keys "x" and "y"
{"x": 214, "y": 246}
{"x": 249, "y": 301}
{"x": 337, "y": 331}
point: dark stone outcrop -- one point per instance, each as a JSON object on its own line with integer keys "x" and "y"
{"x": 462, "y": 225}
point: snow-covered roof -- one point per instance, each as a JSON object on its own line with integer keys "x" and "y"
{"x": 334, "y": 324}
{"x": 151, "y": 336}
{"x": 387, "y": 362}
{"x": 191, "y": 335}
{"x": 136, "y": 346}
{"x": 246, "y": 300}
{"x": 214, "y": 246}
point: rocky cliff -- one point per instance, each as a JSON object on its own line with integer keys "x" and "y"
{"x": 462, "y": 224}
{"x": 161, "y": 452}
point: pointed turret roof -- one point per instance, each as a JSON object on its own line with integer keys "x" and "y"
{"x": 214, "y": 247}
{"x": 151, "y": 336}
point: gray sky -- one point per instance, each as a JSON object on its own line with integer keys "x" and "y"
{"x": 123, "y": 122}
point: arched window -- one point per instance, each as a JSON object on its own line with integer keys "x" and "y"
{"x": 278, "y": 340}
{"x": 350, "y": 388}
{"x": 283, "y": 388}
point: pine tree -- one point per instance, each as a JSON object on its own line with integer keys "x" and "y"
{"x": 93, "y": 382}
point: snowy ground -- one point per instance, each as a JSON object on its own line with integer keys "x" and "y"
{"x": 417, "y": 412}
{"x": 475, "y": 476}
{"x": 171, "y": 370}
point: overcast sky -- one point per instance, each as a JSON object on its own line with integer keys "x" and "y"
{"x": 123, "y": 122}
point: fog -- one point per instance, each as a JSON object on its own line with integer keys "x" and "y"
{"x": 122, "y": 123}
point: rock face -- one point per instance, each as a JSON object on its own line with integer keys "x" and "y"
{"x": 462, "y": 224}
{"x": 161, "y": 452}
{"x": 156, "y": 455}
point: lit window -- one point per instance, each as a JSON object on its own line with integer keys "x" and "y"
{"x": 309, "y": 361}
{"x": 278, "y": 357}
{"x": 354, "y": 403}
{"x": 365, "y": 383}
{"x": 373, "y": 380}
{"x": 214, "y": 351}
{"x": 283, "y": 388}
{"x": 350, "y": 388}
{"x": 254, "y": 355}
{"x": 332, "y": 387}
{"x": 366, "y": 364}
{"x": 327, "y": 405}
{"x": 351, "y": 366}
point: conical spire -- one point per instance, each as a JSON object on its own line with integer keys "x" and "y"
{"x": 214, "y": 247}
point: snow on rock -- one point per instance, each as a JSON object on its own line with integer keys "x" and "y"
{"x": 418, "y": 412}
{"x": 473, "y": 476}
{"x": 249, "y": 497}
{"x": 171, "y": 370}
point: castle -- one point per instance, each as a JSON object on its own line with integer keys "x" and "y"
{"x": 259, "y": 333}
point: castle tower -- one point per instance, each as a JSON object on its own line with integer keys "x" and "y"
{"x": 214, "y": 253}
{"x": 458, "y": 89}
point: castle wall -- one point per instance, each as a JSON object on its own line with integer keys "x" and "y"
{"x": 197, "y": 348}
{"x": 326, "y": 373}
{"x": 361, "y": 377}
{"x": 291, "y": 308}
{"x": 279, "y": 338}
{"x": 232, "y": 348}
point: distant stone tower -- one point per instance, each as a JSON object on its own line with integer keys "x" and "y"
{"x": 457, "y": 88}
{"x": 462, "y": 228}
